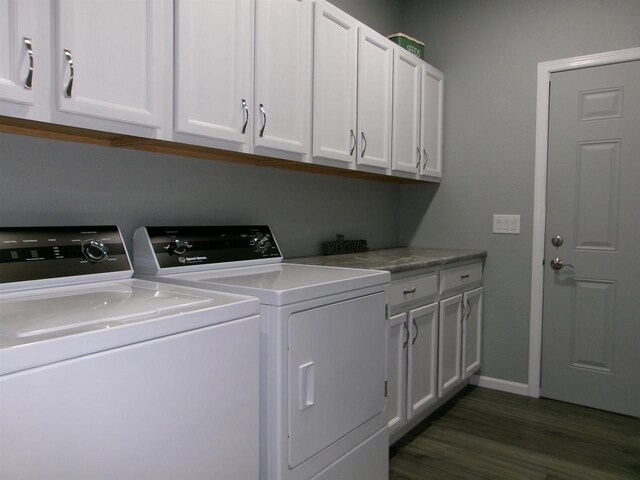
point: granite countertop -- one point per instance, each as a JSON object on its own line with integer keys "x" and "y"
{"x": 393, "y": 259}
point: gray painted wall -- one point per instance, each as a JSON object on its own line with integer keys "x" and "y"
{"x": 488, "y": 51}
{"x": 44, "y": 182}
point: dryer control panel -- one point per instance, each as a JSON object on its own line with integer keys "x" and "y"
{"x": 188, "y": 246}
{"x": 36, "y": 253}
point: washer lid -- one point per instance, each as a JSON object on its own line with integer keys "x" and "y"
{"x": 53, "y": 324}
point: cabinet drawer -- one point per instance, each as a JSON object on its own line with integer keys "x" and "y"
{"x": 405, "y": 290}
{"x": 460, "y": 278}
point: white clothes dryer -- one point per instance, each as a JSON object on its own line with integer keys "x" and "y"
{"x": 107, "y": 377}
{"x": 323, "y": 345}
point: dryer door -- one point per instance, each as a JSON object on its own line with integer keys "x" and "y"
{"x": 336, "y": 372}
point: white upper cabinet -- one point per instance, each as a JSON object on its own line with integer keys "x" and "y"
{"x": 335, "y": 83}
{"x": 17, "y": 52}
{"x": 110, "y": 61}
{"x": 375, "y": 81}
{"x": 213, "y": 70}
{"x": 407, "y": 86}
{"x": 431, "y": 121}
{"x": 283, "y": 64}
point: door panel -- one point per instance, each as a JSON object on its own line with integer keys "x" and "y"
{"x": 335, "y": 83}
{"x": 283, "y": 59}
{"x": 472, "y": 332}
{"x": 337, "y": 359}
{"x": 431, "y": 121}
{"x": 423, "y": 355}
{"x": 213, "y": 57}
{"x": 590, "y": 320}
{"x": 449, "y": 344}
{"x": 397, "y": 369}
{"x": 406, "y": 112}
{"x": 116, "y": 52}
{"x": 375, "y": 79}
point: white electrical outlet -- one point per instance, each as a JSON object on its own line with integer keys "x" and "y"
{"x": 509, "y": 224}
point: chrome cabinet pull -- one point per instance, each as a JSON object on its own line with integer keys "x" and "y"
{"x": 264, "y": 120}
{"x": 426, "y": 158}
{"x": 67, "y": 91}
{"x": 464, "y": 313}
{"x": 246, "y": 116}
{"x": 409, "y": 290}
{"x": 364, "y": 144}
{"x": 419, "y": 157}
{"x": 468, "y": 309}
{"x": 28, "y": 83}
{"x": 415, "y": 325}
{"x": 353, "y": 142}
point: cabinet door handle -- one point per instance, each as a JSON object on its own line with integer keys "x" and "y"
{"x": 419, "y": 157}
{"x": 67, "y": 91}
{"x": 264, "y": 120}
{"x": 415, "y": 325}
{"x": 426, "y": 158}
{"x": 468, "y": 309}
{"x": 409, "y": 290}
{"x": 463, "y": 277}
{"x": 28, "y": 83}
{"x": 353, "y": 142}
{"x": 364, "y": 144}
{"x": 246, "y": 116}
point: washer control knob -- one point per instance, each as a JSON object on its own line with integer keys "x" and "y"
{"x": 94, "y": 251}
{"x": 256, "y": 238}
{"x": 177, "y": 247}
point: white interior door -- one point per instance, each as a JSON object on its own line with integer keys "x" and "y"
{"x": 590, "y": 352}
{"x": 337, "y": 358}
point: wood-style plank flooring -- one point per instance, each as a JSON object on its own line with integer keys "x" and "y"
{"x": 486, "y": 434}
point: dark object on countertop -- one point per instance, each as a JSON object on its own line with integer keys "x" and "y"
{"x": 340, "y": 246}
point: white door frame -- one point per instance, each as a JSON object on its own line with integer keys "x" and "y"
{"x": 545, "y": 69}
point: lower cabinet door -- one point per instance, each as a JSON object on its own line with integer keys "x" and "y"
{"x": 422, "y": 358}
{"x": 396, "y": 370}
{"x": 471, "y": 334}
{"x": 449, "y": 345}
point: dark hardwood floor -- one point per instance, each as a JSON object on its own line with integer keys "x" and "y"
{"x": 486, "y": 434}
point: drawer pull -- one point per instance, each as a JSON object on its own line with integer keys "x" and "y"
{"x": 462, "y": 277}
{"x": 409, "y": 290}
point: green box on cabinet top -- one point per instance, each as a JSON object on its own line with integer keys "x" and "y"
{"x": 408, "y": 43}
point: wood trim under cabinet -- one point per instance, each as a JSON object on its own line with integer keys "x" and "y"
{"x": 51, "y": 131}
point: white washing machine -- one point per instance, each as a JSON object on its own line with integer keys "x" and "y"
{"x": 107, "y": 377}
{"x": 323, "y": 346}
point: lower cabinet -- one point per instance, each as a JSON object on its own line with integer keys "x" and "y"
{"x": 433, "y": 344}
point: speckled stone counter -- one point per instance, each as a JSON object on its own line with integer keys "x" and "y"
{"x": 394, "y": 260}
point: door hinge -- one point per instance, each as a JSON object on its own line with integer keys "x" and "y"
{"x": 385, "y": 389}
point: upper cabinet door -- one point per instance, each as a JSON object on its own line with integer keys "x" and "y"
{"x": 110, "y": 60}
{"x": 375, "y": 89}
{"x": 283, "y": 62}
{"x": 213, "y": 68}
{"x": 335, "y": 82}
{"x": 431, "y": 131}
{"x": 407, "y": 153}
{"x": 19, "y": 42}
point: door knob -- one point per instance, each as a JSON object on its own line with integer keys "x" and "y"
{"x": 558, "y": 264}
{"x": 557, "y": 241}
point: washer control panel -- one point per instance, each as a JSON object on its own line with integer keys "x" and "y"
{"x": 35, "y": 253}
{"x": 185, "y": 246}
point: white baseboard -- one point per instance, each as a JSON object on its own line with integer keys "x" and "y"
{"x": 502, "y": 385}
